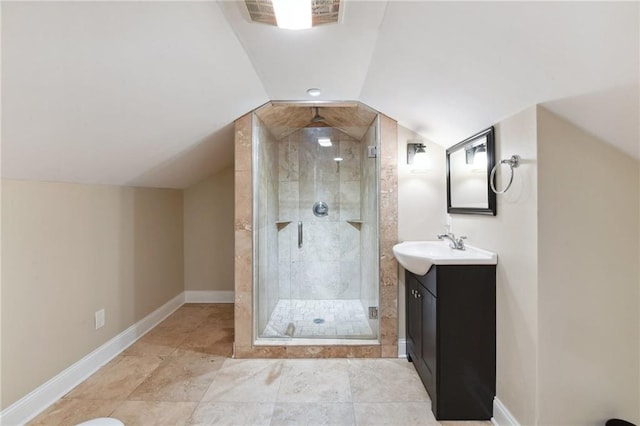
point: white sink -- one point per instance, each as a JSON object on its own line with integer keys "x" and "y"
{"x": 418, "y": 256}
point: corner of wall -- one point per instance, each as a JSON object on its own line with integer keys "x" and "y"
{"x": 208, "y": 233}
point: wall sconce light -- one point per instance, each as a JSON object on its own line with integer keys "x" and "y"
{"x": 476, "y": 157}
{"x": 338, "y": 160}
{"x": 417, "y": 154}
{"x": 472, "y": 151}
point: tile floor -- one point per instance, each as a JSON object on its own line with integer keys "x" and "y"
{"x": 181, "y": 373}
{"x": 342, "y": 318}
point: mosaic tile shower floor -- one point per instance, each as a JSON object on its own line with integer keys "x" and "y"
{"x": 301, "y": 318}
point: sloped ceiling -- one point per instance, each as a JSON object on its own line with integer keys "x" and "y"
{"x": 145, "y": 93}
{"x": 124, "y": 93}
{"x": 450, "y": 69}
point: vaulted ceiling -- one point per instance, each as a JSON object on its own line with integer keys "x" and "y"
{"x": 145, "y": 93}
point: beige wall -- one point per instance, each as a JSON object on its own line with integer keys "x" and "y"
{"x": 422, "y": 198}
{"x": 422, "y": 202}
{"x": 513, "y": 235}
{"x": 566, "y": 234}
{"x": 588, "y": 282}
{"x": 69, "y": 250}
{"x": 208, "y": 233}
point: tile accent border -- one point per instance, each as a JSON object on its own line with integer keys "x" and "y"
{"x": 388, "y": 236}
{"x": 36, "y": 401}
{"x": 243, "y": 229}
{"x": 201, "y": 296}
{"x": 501, "y": 415}
{"x": 243, "y": 256}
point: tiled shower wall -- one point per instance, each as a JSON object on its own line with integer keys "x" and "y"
{"x": 244, "y": 289}
{"x": 327, "y": 266}
{"x": 267, "y": 232}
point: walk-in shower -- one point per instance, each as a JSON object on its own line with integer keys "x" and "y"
{"x": 315, "y": 220}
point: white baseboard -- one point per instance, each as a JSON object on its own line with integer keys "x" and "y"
{"x": 197, "y": 296}
{"x": 402, "y": 348}
{"x": 43, "y": 396}
{"x": 501, "y": 415}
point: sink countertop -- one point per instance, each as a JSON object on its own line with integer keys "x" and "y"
{"x": 419, "y": 256}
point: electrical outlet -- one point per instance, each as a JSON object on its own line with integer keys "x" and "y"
{"x": 99, "y": 319}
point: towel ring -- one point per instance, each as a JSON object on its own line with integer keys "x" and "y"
{"x": 513, "y": 162}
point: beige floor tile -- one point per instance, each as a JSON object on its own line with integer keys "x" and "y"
{"x": 294, "y": 414}
{"x": 209, "y": 339}
{"x": 385, "y": 380}
{"x": 159, "y": 342}
{"x": 187, "y": 317}
{"x": 465, "y": 423}
{"x": 220, "y": 317}
{"x": 117, "y": 379}
{"x": 232, "y": 413}
{"x": 320, "y": 380}
{"x": 73, "y": 411}
{"x": 246, "y": 380}
{"x": 394, "y": 413}
{"x": 186, "y": 376}
{"x": 154, "y": 413}
{"x": 221, "y": 311}
{"x": 163, "y": 376}
{"x": 219, "y": 322}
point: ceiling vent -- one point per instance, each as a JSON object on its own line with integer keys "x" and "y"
{"x": 322, "y": 11}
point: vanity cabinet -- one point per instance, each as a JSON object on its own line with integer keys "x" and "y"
{"x": 451, "y": 338}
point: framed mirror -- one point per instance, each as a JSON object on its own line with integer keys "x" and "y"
{"x": 469, "y": 165}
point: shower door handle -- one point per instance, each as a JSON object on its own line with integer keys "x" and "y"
{"x": 300, "y": 234}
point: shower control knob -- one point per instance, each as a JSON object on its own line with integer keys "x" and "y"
{"x": 320, "y": 209}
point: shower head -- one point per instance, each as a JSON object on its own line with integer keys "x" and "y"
{"x": 317, "y": 118}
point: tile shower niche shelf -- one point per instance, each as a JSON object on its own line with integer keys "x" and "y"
{"x": 356, "y": 223}
{"x": 280, "y": 224}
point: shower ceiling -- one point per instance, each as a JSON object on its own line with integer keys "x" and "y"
{"x": 284, "y": 118}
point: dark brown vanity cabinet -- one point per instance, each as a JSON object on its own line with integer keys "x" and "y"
{"x": 451, "y": 338}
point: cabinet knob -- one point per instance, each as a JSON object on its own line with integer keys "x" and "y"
{"x": 418, "y": 295}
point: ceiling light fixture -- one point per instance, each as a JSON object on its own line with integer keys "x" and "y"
{"x": 292, "y": 14}
{"x": 313, "y": 92}
{"x": 324, "y": 142}
{"x": 322, "y": 11}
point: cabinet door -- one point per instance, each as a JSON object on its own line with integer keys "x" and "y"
{"x": 429, "y": 338}
{"x": 414, "y": 319}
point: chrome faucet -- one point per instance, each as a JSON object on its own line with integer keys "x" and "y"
{"x": 456, "y": 244}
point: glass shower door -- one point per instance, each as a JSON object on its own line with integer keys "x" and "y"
{"x": 316, "y": 220}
